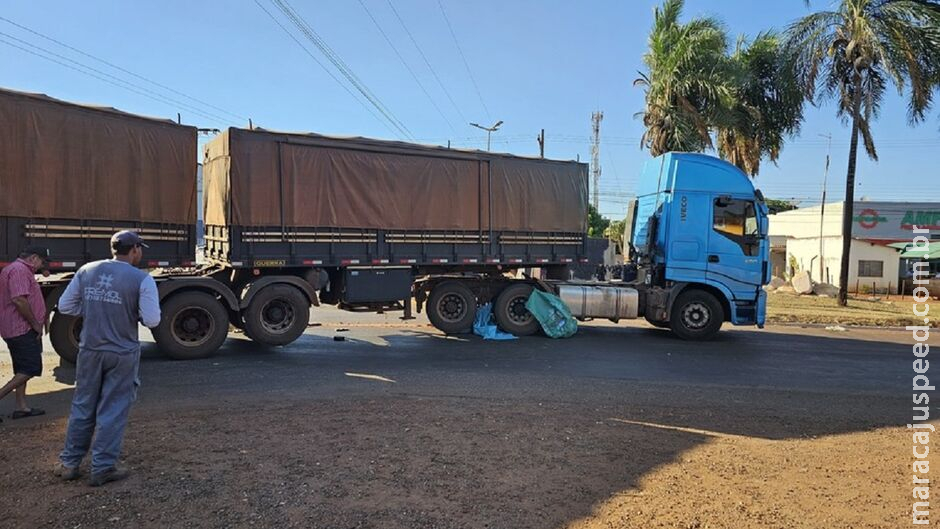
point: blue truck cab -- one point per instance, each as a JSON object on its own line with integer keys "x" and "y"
{"x": 701, "y": 245}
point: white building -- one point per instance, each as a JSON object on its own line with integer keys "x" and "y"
{"x": 802, "y": 240}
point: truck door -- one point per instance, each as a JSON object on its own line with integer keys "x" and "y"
{"x": 734, "y": 246}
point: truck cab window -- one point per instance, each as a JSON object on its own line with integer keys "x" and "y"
{"x": 736, "y": 219}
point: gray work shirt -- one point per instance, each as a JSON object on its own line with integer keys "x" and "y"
{"x": 112, "y": 296}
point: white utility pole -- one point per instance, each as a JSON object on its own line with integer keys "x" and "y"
{"x": 822, "y": 213}
{"x": 596, "y": 118}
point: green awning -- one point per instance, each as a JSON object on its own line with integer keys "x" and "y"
{"x": 909, "y": 252}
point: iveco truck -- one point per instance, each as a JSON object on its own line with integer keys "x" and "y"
{"x": 294, "y": 221}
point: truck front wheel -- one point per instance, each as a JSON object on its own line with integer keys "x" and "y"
{"x": 452, "y": 307}
{"x": 696, "y": 315}
{"x": 64, "y": 332}
{"x": 193, "y": 325}
{"x": 510, "y": 312}
{"x": 277, "y": 315}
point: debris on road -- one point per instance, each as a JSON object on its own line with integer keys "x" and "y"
{"x": 552, "y": 314}
{"x": 485, "y": 326}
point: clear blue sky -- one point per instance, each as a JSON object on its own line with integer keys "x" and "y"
{"x": 538, "y": 64}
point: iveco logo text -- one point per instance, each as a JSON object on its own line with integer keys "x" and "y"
{"x": 683, "y": 208}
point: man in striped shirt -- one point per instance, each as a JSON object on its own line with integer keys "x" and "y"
{"x": 22, "y": 319}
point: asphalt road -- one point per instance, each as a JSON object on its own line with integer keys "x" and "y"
{"x": 864, "y": 374}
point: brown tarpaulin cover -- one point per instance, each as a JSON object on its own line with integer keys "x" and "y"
{"x": 62, "y": 160}
{"x": 360, "y": 183}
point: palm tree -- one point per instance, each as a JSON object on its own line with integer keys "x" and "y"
{"x": 852, "y": 54}
{"x": 686, "y": 83}
{"x": 767, "y": 105}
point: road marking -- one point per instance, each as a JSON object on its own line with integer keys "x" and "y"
{"x": 697, "y": 431}
{"x": 370, "y": 377}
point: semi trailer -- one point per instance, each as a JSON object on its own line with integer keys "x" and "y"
{"x": 299, "y": 220}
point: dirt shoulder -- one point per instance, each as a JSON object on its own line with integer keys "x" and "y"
{"x": 409, "y": 462}
{"x": 792, "y": 308}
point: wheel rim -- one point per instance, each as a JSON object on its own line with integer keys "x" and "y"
{"x": 452, "y": 307}
{"x": 696, "y": 315}
{"x": 277, "y": 316}
{"x": 516, "y": 311}
{"x": 193, "y": 326}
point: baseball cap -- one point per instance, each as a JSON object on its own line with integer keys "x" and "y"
{"x": 127, "y": 238}
{"x": 41, "y": 251}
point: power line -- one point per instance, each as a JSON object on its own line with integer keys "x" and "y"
{"x": 103, "y": 76}
{"x": 464, "y": 58}
{"x": 325, "y": 69}
{"x": 116, "y": 67}
{"x": 405, "y": 64}
{"x": 339, "y": 64}
{"x": 463, "y": 119}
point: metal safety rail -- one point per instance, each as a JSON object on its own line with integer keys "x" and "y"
{"x": 255, "y": 246}
{"x": 73, "y": 242}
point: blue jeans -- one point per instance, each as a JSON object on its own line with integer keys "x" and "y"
{"x": 105, "y": 387}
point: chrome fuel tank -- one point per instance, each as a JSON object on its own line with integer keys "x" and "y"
{"x": 600, "y": 301}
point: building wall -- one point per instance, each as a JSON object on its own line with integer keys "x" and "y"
{"x": 804, "y": 253}
{"x": 804, "y": 222}
{"x": 882, "y": 221}
{"x": 874, "y": 225}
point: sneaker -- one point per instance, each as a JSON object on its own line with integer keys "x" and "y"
{"x": 112, "y": 474}
{"x": 66, "y": 473}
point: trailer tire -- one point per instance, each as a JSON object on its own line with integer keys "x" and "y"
{"x": 452, "y": 307}
{"x": 510, "y": 312}
{"x": 696, "y": 315}
{"x": 64, "y": 331}
{"x": 193, "y": 326}
{"x": 277, "y": 315}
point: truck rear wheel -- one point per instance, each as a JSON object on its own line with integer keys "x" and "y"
{"x": 510, "y": 312}
{"x": 696, "y": 315}
{"x": 452, "y": 307}
{"x": 277, "y": 315}
{"x": 193, "y": 325}
{"x": 64, "y": 333}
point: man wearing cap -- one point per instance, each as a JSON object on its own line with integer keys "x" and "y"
{"x": 22, "y": 318}
{"x": 112, "y": 296}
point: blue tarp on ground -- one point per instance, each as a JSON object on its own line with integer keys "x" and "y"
{"x": 552, "y": 314}
{"x": 484, "y": 325}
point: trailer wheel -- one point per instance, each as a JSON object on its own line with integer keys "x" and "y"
{"x": 510, "y": 312}
{"x": 193, "y": 325}
{"x": 277, "y": 315}
{"x": 452, "y": 307}
{"x": 64, "y": 333}
{"x": 696, "y": 315}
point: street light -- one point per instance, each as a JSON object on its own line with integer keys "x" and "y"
{"x": 489, "y": 130}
